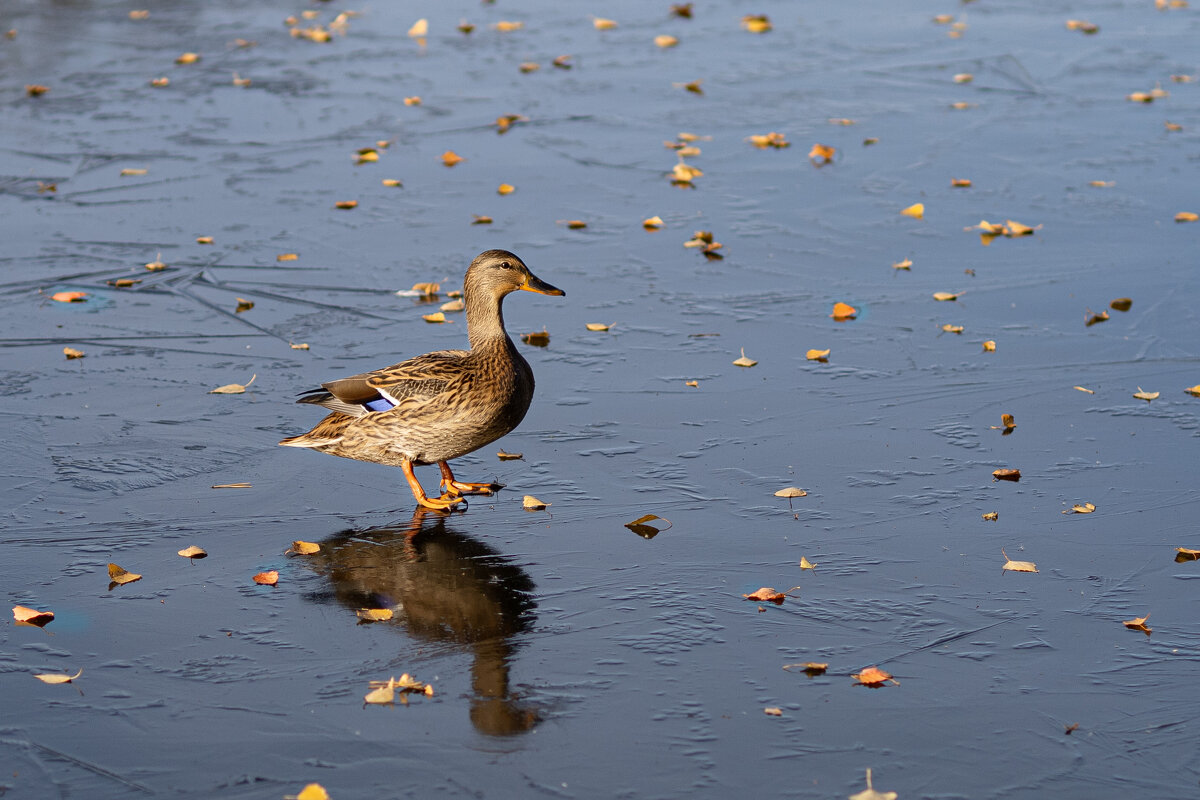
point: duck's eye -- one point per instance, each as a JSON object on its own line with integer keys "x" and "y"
{"x": 505, "y": 265}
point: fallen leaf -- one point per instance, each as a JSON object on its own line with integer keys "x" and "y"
{"x": 916, "y": 211}
{"x": 768, "y": 595}
{"x": 821, "y": 153}
{"x": 1138, "y": 624}
{"x": 287, "y": 257}
{"x": 692, "y": 86}
{"x": 1014, "y": 228}
{"x": 346, "y": 205}
{"x": 187, "y": 58}
{"x": 874, "y": 676}
{"x": 906, "y": 264}
{"x": 119, "y": 575}
{"x": 870, "y": 794}
{"x": 817, "y": 355}
{"x": 843, "y": 312}
{"x": 772, "y": 139}
{"x": 71, "y": 352}
{"x": 756, "y": 23}
{"x": 960, "y": 183}
{"x": 683, "y": 10}
{"x": 1141, "y": 394}
{"x": 157, "y": 264}
{"x": 454, "y": 305}
{"x": 243, "y": 305}
{"x": 945, "y": 297}
{"x": 193, "y": 552}
{"x": 991, "y": 516}
{"x": 268, "y": 578}
{"x": 1174, "y": 127}
{"x": 665, "y": 41}
{"x": 481, "y": 219}
{"x": 989, "y": 346}
{"x": 601, "y": 24}
{"x": 69, "y": 297}
{"x": 948, "y": 328}
{"x": 812, "y": 668}
{"x": 374, "y": 614}
{"x": 562, "y": 62}
{"x": 313, "y": 791}
{"x": 1082, "y": 26}
{"x": 505, "y": 188}
{"x": 54, "y": 677}
{"x": 437, "y": 317}
{"x": 450, "y": 158}
{"x": 806, "y": 564}
{"x": 505, "y": 456}
{"x": 302, "y": 548}
{"x": 36, "y": 89}
{"x": 367, "y": 155}
{"x": 771, "y": 711}
{"x": 536, "y": 338}
{"x": 240, "y": 82}
{"x": 31, "y": 616}
{"x": 646, "y": 531}
{"x": 419, "y": 28}
{"x": 1080, "y": 508}
{"x": 598, "y": 326}
{"x": 427, "y": 288}
{"x": 1194, "y": 391}
{"x": 1082, "y": 389}
{"x": 1016, "y": 566}
{"x": 743, "y": 361}
{"x": 575, "y": 224}
{"x": 506, "y": 27}
{"x": 961, "y": 106}
{"x": 684, "y": 174}
{"x": 1121, "y": 304}
{"x": 1185, "y": 554}
{"x": 1186, "y": 216}
{"x": 298, "y": 345}
{"x": 693, "y": 384}
{"x": 1102, "y": 184}
{"x": 531, "y": 503}
{"x": 964, "y": 77}
{"x": 843, "y": 121}
{"x": 133, "y": 172}
{"x": 1007, "y": 423}
{"x": 791, "y": 491}
{"x": 652, "y": 223}
{"x": 1007, "y": 474}
{"x": 392, "y": 183}
{"x": 232, "y": 486}
{"x": 234, "y": 388}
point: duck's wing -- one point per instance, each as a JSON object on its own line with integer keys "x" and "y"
{"x": 419, "y": 378}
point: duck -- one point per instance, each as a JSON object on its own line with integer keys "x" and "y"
{"x": 440, "y": 405}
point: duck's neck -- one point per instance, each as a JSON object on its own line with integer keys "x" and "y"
{"x": 485, "y": 319}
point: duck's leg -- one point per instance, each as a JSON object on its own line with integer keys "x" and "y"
{"x": 451, "y": 487}
{"x": 440, "y": 503}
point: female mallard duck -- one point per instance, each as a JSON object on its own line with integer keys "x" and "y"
{"x": 441, "y": 405}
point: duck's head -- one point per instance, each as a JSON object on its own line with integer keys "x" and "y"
{"x": 499, "y": 272}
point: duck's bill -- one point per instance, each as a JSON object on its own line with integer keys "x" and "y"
{"x": 535, "y": 284}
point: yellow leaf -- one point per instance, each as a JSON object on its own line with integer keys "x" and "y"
{"x": 756, "y": 23}
{"x": 187, "y": 58}
{"x": 665, "y": 41}
{"x": 642, "y": 528}
{"x": 436, "y": 317}
{"x": 1141, "y": 394}
{"x": 286, "y": 257}
{"x": 71, "y": 352}
{"x": 960, "y": 183}
{"x": 843, "y": 311}
{"x": 506, "y": 188}
{"x": 481, "y": 219}
{"x": 743, "y": 361}
{"x": 652, "y": 223}
{"x": 944, "y": 297}
{"x": 313, "y": 791}
{"x": 69, "y": 297}
{"x": 991, "y": 516}
{"x": 529, "y": 66}
{"x": 684, "y": 173}
{"x": 948, "y": 328}
{"x": 989, "y": 346}
{"x": 160, "y": 82}
{"x": 419, "y": 28}
{"x": 1080, "y": 508}
{"x": 1102, "y": 184}
{"x": 843, "y": 121}
{"x": 964, "y": 77}
{"x": 302, "y": 548}
{"x": 1082, "y": 26}
{"x": 503, "y": 456}
{"x": 874, "y": 676}
{"x": 298, "y": 345}
{"x": 234, "y": 388}
{"x": 1186, "y": 216}
{"x": 916, "y": 211}
{"x": 268, "y": 578}
{"x": 817, "y": 355}
{"x": 346, "y": 204}
{"x": 53, "y": 678}
{"x": 120, "y": 575}
{"x": 822, "y": 153}
{"x": 1138, "y": 624}
{"x": 791, "y": 491}
{"x": 870, "y": 794}
{"x": 450, "y": 158}
{"x": 428, "y": 289}
{"x": 392, "y": 183}
{"x": 243, "y": 305}
{"x": 771, "y": 711}
{"x": 1194, "y": 391}
{"x": 374, "y": 614}
{"x": 599, "y": 326}
{"x": 232, "y": 486}
{"x": 576, "y": 224}
{"x": 602, "y": 24}
{"x": 536, "y": 338}
{"x": 531, "y": 503}
{"x": 157, "y": 264}
{"x": 693, "y": 384}
{"x": 239, "y": 81}
{"x": 562, "y": 62}
{"x": 506, "y": 27}
{"x": 806, "y": 564}
{"x": 367, "y": 155}
{"x": 1082, "y": 389}
{"x": 133, "y": 171}
{"x": 1016, "y": 566}
{"x": 961, "y": 106}
{"x": 906, "y": 264}
{"x": 193, "y": 552}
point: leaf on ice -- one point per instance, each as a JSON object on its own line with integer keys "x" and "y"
{"x": 119, "y": 575}
{"x": 54, "y": 677}
{"x": 1016, "y": 566}
{"x": 234, "y": 388}
{"x": 642, "y": 528}
{"x": 742, "y": 361}
{"x": 193, "y": 552}
{"x": 268, "y": 578}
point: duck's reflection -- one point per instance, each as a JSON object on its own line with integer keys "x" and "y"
{"x": 444, "y": 586}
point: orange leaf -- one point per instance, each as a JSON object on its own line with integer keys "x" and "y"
{"x": 874, "y": 676}
{"x": 31, "y": 616}
{"x": 268, "y": 578}
{"x": 843, "y": 311}
{"x": 70, "y": 297}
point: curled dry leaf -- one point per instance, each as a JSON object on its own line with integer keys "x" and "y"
{"x": 204, "y": 240}
{"x": 1187, "y": 216}
{"x": 392, "y": 183}
{"x": 948, "y": 328}
{"x": 960, "y": 183}
{"x": 1194, "y": 391}
{"x": 313, "y": 791}
{"x": 874, "y": 676}
{"x": 642, "y": 528}
{"x": 916, "y": 211}
{"x": 693, "y": 384}
{"x": 287, "y": 257}
{"x": 481, "y": 219}
{"x": 157, "y": 264}
{"x": 1007, "y": 423}
{"x": 1016, "y": 566}
{"x": 806, "y": 564}
{"x": 1007, "y": 474}
{"x": 374, "y": 614}
{"x": 268, "y": 578}
{"x": 1080, "y": 508}
{"x": 187, "y": 58}
{"x": 989, "y": 346}
{"x": 599, "y": 326}
{"x": 119, "y": 575}
{"x": 506, "y": 456}
{"x": 756, "y": 23}
{"x": 346, "y": 205}
{"x": 1082, "y": 389}
{"x": 1186, "y": 554}
{"x": 772, "y": 711}
{"x": 531, "y": 503}
{"x": 791, "y": 491}
{"x": 843, "y": 312}
{"x": 69, "y": 297}
{"x": 576, "y": 224}
{"x": 298, "y": 345}
{"x": 133, "y": 172}
{"x": 450, "y": 158}
{"x": 991, "y": 516}
{"x": 665, "y": 41}
{"x": 1138, "y": 624}
{"x": 602, "y": 24}
{"x": 536, "y": 338}
{"x": 742, "y": 361}
{"x": 234, "y": 388}
{"x": 652, "y": 223}
{"x": 906, "y": 264}
{"x": 1142, "y": 394}
{"x": 946, "y": 297}
{"x": 817, "y": 355}
{"x": 505, "y": 188}
{"x": 1082, "y": 26}
{"x": 193, "y": 552}
{"x": 1121, "y": 304}
{"x": 821, "y": 154}
{"x": 232, "y": 486}
{"x": 303, "y": 548}
{"x": 964, "y": 77}
{"x": 36, "y": 89}
{"x": 1094, "y": 317}
{"x": 243, "y": 305}
{"x": 812, "y": 668}
{"x": 437, "y": 317}
{"x": 71, "y": 352}
{"x": 454, "y": 305}
{"x": 773, "y": 139}
{"x": 683, "y": 174}
{"x": 54, "y": 677}
{"x": 870, "y": 794}
{"x": 31, "y": 616}
{"x": 160, "y": 82}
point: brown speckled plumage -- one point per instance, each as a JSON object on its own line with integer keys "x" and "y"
{"x": 447, "y": 403}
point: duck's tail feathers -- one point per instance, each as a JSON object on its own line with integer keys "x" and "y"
{"x": 306, "y": 440}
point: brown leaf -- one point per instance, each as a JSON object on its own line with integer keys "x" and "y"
{"x": 646, "y": 531}
{"x": 346, "y": 205}
{"x": 204, "y": 240}
{"x": 1138, "y": 624}
{"x": 268, "y": 578}
{"x": 1121, "y": 304}
{"x": 536, "y": 338}
{"x": 1007, "y": 474}
{"x": 303, "y": 548}
{"x": 768, "y": 595}
{"x": 1142, "y": 394}
{"x": 991, "y": 516}
{"x": 1185, "y": 554}
{"x": 232, "y": 486}
{"x": 71, "y": 352}
{"x": 505, "y": 456}
{"x": 119, "y": 575}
